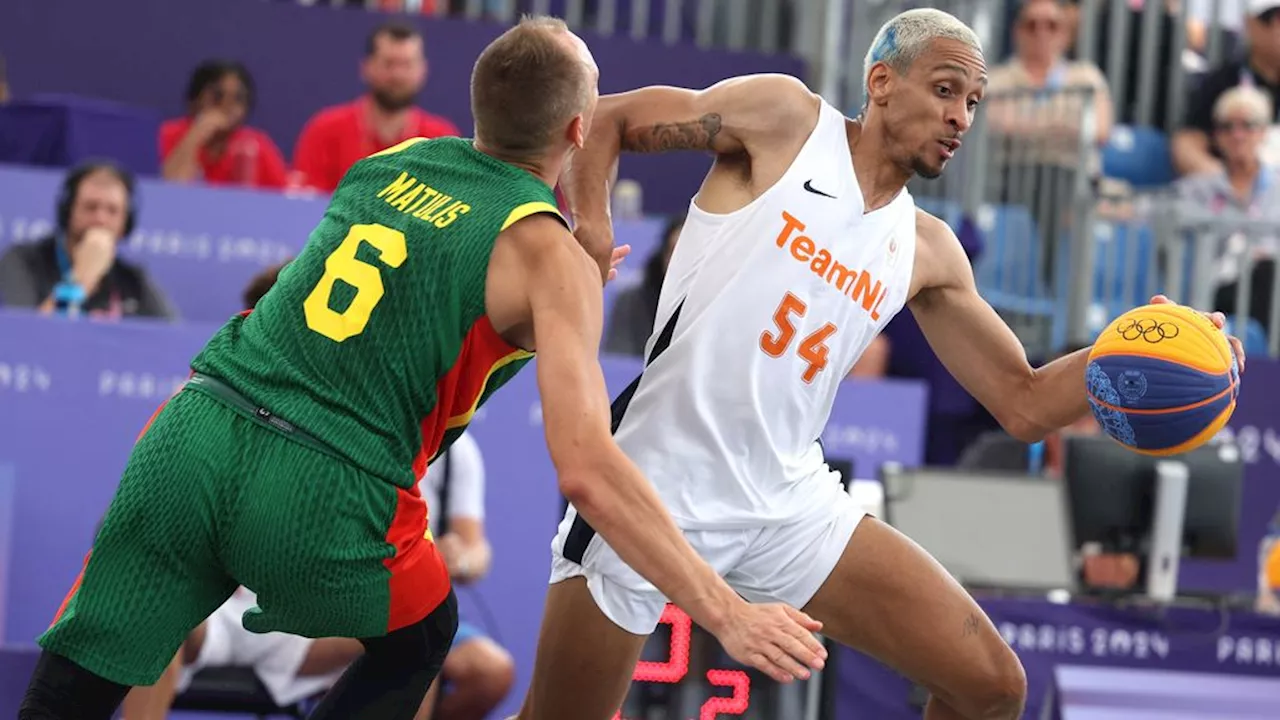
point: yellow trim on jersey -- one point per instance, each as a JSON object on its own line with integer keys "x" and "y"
{"x": 464, "y": 418}
{"x": 528, "y": 209}
{"x": 397, "y": 148}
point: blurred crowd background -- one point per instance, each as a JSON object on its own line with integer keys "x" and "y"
{"x": 170, "y": 156}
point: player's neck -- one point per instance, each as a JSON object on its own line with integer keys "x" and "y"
{"x": 879, "y": 176}
{"x": 548, "y": 171}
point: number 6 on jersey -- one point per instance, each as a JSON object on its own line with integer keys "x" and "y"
{"x": 813, "y": 348}
{"x": 343, "y": 265}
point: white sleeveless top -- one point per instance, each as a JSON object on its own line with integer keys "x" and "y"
{"x": 763, "y": 313}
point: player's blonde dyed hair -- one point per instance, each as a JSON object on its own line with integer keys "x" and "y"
{"x": 906, "y": 37}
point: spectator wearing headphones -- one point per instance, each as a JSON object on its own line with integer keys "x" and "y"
{"x": 76, "y": 269}
{"x": 212, "y": 143}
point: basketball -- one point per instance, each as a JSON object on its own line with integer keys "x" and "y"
{"x": 1162, "y": 379}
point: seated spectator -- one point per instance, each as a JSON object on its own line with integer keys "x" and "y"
{"x": 1049, "y": 119}
{"x": 1193, "y": 150}
{"x": 1047, "y": 91}
{"x": 212, "y": 144}
{"x": 634, "y": 311}
{"x": 998, "y": 451}
{"x": 1244, "y": 186}
{"x": 76, "y": 269}
{"x": 395, "y": 71}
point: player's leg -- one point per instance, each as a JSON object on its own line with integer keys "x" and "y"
{"x": 429, "y": 703}
{"x": 584, "y": 662}
{"x": 887, "y": 597}
{"x": 597, "y": 616}
{"x": 390, "y": 680}
{"x": 151, "y": 576}
{"x": 334, "y": 552}
{"x": 478, "y": 673}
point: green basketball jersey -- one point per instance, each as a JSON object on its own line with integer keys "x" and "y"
{"x": 375, "y": 339}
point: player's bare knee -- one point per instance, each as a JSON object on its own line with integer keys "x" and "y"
{"x": 484, "y": 668}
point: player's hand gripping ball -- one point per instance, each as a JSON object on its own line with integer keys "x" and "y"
{"x": 1163, "y": 378}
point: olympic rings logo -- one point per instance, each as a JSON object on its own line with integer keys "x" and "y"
{"x": 1147, "y": 329}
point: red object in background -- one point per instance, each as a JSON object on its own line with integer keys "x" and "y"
{"x": 674, "y": 669}
{"x": 337, "y": 137}
{"x": 428, "y": 7}
{"x": 251, "y": 159}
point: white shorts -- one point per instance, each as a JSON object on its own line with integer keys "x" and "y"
{"x": 781, "y": 563}
{"x": 275, "y": 657}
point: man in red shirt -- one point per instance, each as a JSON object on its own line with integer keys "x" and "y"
{"x": 394, "y": 69}
{"x": 212, "y": 144}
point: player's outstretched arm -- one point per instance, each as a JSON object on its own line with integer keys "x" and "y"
{"x": 980, "y": 350}
{"x": 985, "y": 356}
{"x": 607, "y": 489}
{"x": 732, "y": 117}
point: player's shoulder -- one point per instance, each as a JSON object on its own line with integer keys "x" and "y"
{"x": 538, "y": 226}
{"x": 779, "y": 86}
{"x": 544, "y": 242}
{"x": 785, "y": 98}
{"x": 931, "y": 228}
{"x": 940, "y": 258}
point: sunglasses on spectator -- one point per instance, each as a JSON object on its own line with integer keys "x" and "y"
{"x": 1229, "y": 125}
{"x": 1034, "y": 25}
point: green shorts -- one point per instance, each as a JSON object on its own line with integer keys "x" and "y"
{"x": 219, "y": 493}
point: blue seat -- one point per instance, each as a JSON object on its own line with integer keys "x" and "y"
{"x": 1009, "y": 272}
{"x": 1139, "y": 156}
{"x": 1124, "y": 251}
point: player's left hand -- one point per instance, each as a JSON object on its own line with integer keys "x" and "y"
{"x": 1219, "y": 321}
{"x": 620, "y": 253}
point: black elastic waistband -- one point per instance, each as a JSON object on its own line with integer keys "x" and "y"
{"x": 231, "y": 397}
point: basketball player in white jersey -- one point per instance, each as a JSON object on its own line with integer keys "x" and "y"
{"x": 801, "y": 245}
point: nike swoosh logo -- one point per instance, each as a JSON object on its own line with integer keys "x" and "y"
{"x": 811, "y": 189}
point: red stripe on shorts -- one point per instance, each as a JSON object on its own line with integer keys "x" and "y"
{"x": 419, "y": 579}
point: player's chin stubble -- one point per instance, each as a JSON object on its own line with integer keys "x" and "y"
{"x": 919, "y": 167}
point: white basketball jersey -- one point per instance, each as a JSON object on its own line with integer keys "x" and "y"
{"x": 763, "y": 313}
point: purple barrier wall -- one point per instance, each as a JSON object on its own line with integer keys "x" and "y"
{"x": 73, "y": 397}
{"x": 1256, "y": 428}
{"x": 202, "y": 245}
{"x": 1046, "y": 635}
{"x": 142, "y": 51}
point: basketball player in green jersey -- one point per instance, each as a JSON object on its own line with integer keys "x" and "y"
{"x": 287, "y": 462}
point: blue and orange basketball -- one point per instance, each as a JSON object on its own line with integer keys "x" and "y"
{"x": 1162, "y": 379}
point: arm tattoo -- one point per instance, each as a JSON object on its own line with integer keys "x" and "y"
{"x": 971, "y": 625}
{"x": 697, "y": 134}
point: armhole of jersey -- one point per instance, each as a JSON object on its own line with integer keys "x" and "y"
{"x": 398, "y": 147}
{"x": 532, "y": 208}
